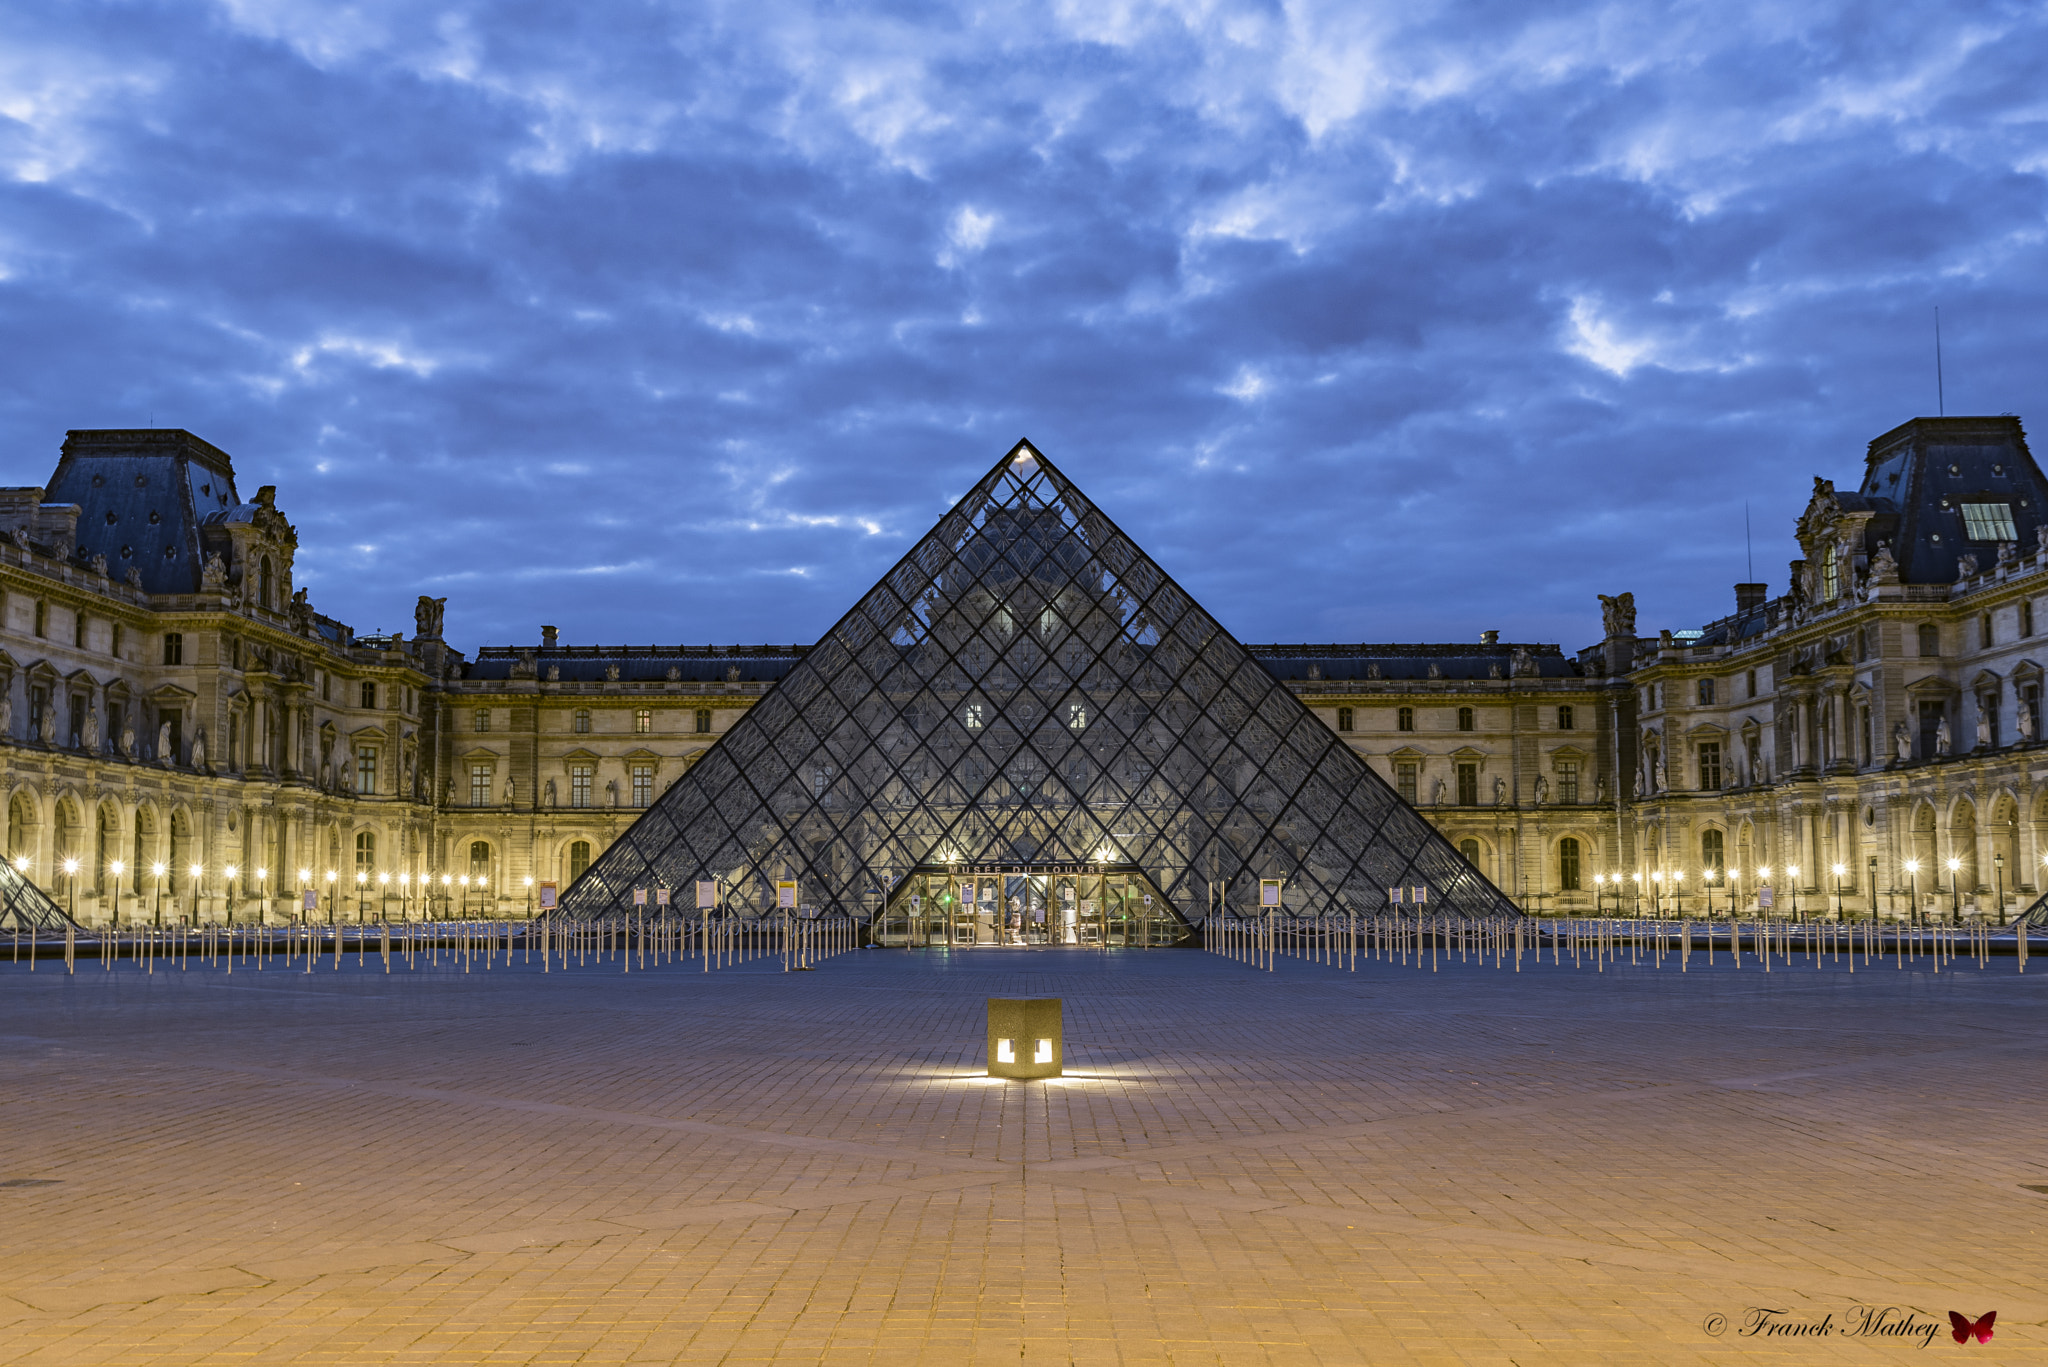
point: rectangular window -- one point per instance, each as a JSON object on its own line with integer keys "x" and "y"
{"x": 479, "y": 785}
{"x": 1987, "y": 708}
{"x": 370, "y": 695}
{"x": 1077, "y": 716}
{"x": 366, "y": 770}
{"x": 703, "y": 721}
{"x": 1706, "y": 692}
{"x": 1988, "y": 522}
{"x": 43, "y": 624}
{"x": 2026, "y": 620}
{"x": 1404, "y": 779}
{"x": 1930, "y": 641}
{"x": 1466, "y": 720}
{"x": 1343, "y": 719}
{"x": 1930, "y": 727}
{"x": 174, "y": 646}
{"x": 116, "y": 650}
{"x": 1468, "y": 783}
{"x": 78, "y": 630}
{"x": 971, "y": 715}
{"x": 1984, "y": 632}
{"x": 643, "y": 721}
{"x": 1565, "y": 719}
{"x": 483, "y": 719}
{"x": 77, "y": 720}
{"x": 1404, "y": 719}
{"x": 579, "y": 785}
{"x": 643, "y": 785}
{"x": 1863, "y": 733}
{"x": 1710, "y": 765}
{"x": 1568, "y": 780}
{"x": 2030, "y": 699}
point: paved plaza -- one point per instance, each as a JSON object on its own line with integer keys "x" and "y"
{"x": 1304, "y": 1166}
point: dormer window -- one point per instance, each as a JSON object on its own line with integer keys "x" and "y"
{"x": 1830, "y": 574}
{"x": 1988, "y": 522}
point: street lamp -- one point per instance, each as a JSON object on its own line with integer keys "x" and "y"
{"x": 305, "y": 877}
{"x": 114, "y": 866}
{"x": 463, "y": 883}
{"x": 1636, "y": 887}
{"x": 230, "y": 871}
{"x": 157, "y": 871}
{"x": 383, "y": 896}
{"x": 1707, "y": 876}
{"x": 1955, "y": 893}
{"x": 1656, "y": 892}
{"x": 261, "y": 874}
{"x": 405, "y": 897}
{"x": 362, "y": 896}
{"x": 529, "y": 897}
{"x": 1599, "y": 885}
{"x": 1912, "y": 891}
{"x": 1998, "y": 876}
{"x": 445, "y": 882}
{"x": 71, "y": 899}
{"x": 1678, "y": 890}
{"x": 1838, "y": 871}
{"x": 330, "y": 896}
{"x": 1763, "y": 879}
{"x": 192, "y": 873}
{"x": 1792, "y": 882}
{"x": 482, "y": 907}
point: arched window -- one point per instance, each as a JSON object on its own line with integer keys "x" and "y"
{"x": 479, "y": 858}
{"x": 1568, "y": 864}
{"x": 1930, "y": 641}
{"x": 1404, "y": 719}
{"x": 579, "y": 858}
{"x": 366, "y": 853}
{"x": 1712, "y": 852}
{"x": 1465, "y": 719}
{"x": 1470, "y": 849}
{"x": 582, "y": 721}
{"x": 263, "y": 583}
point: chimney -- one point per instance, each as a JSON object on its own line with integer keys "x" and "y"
{"x": 1489, "y": 638}
{"x": 1750, "y": 597}
{"x": 549, "y": 638}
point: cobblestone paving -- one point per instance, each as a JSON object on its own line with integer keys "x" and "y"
{"x": 1297, "y": 1167}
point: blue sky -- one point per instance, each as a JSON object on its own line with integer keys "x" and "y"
{"x": 681, "y": 322}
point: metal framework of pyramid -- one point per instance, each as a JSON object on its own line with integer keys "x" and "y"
{"x": 26, "y": 907}
{"x": 1027, "y": 688}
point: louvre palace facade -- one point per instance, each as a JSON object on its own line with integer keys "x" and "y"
{"x": 185, "y": 734}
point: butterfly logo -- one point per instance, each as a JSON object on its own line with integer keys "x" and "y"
{"x": 1964, "y": 1328}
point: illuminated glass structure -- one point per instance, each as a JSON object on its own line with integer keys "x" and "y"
{"x": 1026, "y": 733}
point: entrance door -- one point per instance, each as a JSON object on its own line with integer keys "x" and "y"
{"x": 1026, "y": 906}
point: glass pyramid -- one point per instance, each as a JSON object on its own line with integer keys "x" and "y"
{"x": 1026, "y": 690}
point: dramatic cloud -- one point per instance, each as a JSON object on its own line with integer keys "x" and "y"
{"x": 680, "y": 321}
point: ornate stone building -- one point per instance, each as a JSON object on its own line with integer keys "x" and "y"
{"x": 167, "y": 698}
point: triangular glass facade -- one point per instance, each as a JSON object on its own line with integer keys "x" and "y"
{"x": 1026, "y": 689}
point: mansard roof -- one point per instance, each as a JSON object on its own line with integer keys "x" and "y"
{"x": 636, "y": 664}
{"x": 120, "y": 477}
{"x": 1925, "y": 471}
{"x": 1401, "y": 662}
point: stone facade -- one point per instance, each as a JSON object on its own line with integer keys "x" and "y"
{"x": 169, "y": 699}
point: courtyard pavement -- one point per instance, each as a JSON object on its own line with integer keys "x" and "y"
{"x": 1304, "y": 1167}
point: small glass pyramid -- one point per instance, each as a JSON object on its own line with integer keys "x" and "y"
{"x": 1027, "y": 695}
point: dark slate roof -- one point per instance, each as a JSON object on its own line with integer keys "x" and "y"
{"x": 121, "y": 478}
{"x": 1398, "y": 662}
{"x": 1914, "y": 467}
{"x": 638, "y": 664}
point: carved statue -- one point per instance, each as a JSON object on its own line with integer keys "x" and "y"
{"x": 6, "y": 717}
{"x": 1618, "y": 615}
{"x": 213, "y": 575}
{"x": 1524, "y": 663}
{"x": 1542, "y": 789}
{"x": 554, "y": 673}
{"x": 1983, "y": 730}
{"x": 1493, "y": 670}
{"x": 426, "y": 618}
{"x": 99, "y": 566}
{"x": 301, "y": 613}
{"x": 510, "y": 792}
{"x": 1638, "y": 787}
{"x": 611, "y": 790}
{"x": 46, "y": 725}
{"x": 2041, "y": 539}
{"x": 1500, "y": 791}
{"x": 91, "y": 738}
{"x": 1434, "y": 671}
{"x": 674, "y": 673}
{"x": 1600, "y": 790}
{"x": 134, "y": 576}
{"x": 451, "y": 793}
{"x": 2023, "y": 721}
{"x": 551, "y": 793}
{"x": 1966, "y": 567}
{"x": 1941, "y": 736}
{"x": 128, "y": 741}
{"x": 163, "y": 745}
{"x": 1372, "y": 670}
{"x": 1436, "y": 793}
{"x": 409, "y": 784}
{"x": 1902, "y": 742}
{"x": 199, "y": 749}
{"x": 732, "y": 674}
{"x": 1315, "y": 671}
{"x": 326, "y": 775}
{"x": 611, "y": 673}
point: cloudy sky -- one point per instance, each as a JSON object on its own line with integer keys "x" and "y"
{"x": 682, "y": 321}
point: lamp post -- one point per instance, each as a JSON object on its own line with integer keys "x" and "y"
{"x": 261, "y": 874}
{"x": 483, "y": 883}
{"x": 1678, "y": 891}
{"x": 383, "y": 896}
{"x": 529, "y": 897}
{"x": 157, "y": 871}
{"x": 445, "y": 894}
{"x": 1955, "y": 893}
{"x": 463, "y": 883}
{"x": 193, "y": 873}
{"x": 229, "y": 916}
{"x": 1657, "y": 892}
{"x": 114, "y": 866}
{"x": 1636, "y": 891}
{"x": 1838, "y": 871}
{"x": 405, "y": 896}
{"x": 331, "y": 875}
{"x": 362, "y": 897}
{"x": 1599, "y": 887}
{"x": 1763, "y": 878}
{"x": 305, "y": 877}
{"x": 1912, "y": 891}
{"x": 1792, "y": 882}
{"x": 1998, "y": 877}
{"x": 1707, "y": 876}
{"x": 71, "y": 897}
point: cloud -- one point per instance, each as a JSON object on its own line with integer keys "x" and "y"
{"x": 1371, "y": 322}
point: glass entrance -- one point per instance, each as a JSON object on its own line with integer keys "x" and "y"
{"x": 965, "y": 907}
